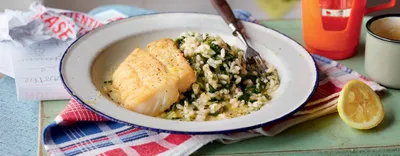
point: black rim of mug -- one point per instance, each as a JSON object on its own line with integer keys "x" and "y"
{"x": 373, "y": 19}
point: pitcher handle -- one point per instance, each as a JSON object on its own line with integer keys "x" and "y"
{"x": 387, "y": 5}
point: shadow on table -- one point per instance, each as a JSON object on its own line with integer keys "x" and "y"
{"x": 389, "y": 118}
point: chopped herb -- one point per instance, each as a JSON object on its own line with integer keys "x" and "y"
{"x": 218, "y": 69}
{"x": 216, "y": 48}
{"x": 229, "y": 47}
{"x": 253, "y": 78}
{"x": 216, "y": 100}
{"x": 218, "y": 112}
{"x": 242, "y": 86}
{"x": 221, "y": 68}
{"x": 200, "y": 82}
{"x": 212, "y": 69}
{"x": 201, "y": 74}
{"x": 208, "y": 40}
{"x": 227, "y": 86}
{"x": 244, "y": 97}
{"x": 172, "y": 115}
{"x": 180, "y": 41}
{"x": 252, "y": 89}
{"x": 192, "y": 60}
{"x": 181, "y": 101}
{"x": 189, "y": 97}
{"x": 229, "y": 57}
{"x": 268, "y": 97}
{"x": 173, "y": 107}
{"x": 211, "y": 89}
{"x": 175, "y": 118}
{"x": 213, "y": 99}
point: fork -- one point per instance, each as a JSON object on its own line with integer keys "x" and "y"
{"x": 251, "y": 56}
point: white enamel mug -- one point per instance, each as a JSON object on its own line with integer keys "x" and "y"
{"x": 382, "y": 51}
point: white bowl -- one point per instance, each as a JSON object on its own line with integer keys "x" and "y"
{"x": 89, "y": 60}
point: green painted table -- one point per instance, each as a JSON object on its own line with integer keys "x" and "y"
{"x": 327, "y": 135}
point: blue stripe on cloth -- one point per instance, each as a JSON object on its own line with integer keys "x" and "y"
{"x": 46, "y": 132}
{"x": 350, "y": 70}
{"x": 134, "y": 136}
{"x": 73, "y": 136}
{"x": 76, "y": 152}
{"x": 88, "y": 128}
{"x": 75, "y": 129}
{"x": 114, "y": 125}
{"x": 58, "y": 134}
{"x": 344, "y": 68}
{"x": 338, "y": 73}
{"x": 101, "y": 144}
{"x": 64, "y": 134}
{"x": 322, "y": 59}
{"x": 105, "y": 144}
{"x": 127, "y": 129}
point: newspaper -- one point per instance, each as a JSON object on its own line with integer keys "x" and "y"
{"x": 35, "y": 41}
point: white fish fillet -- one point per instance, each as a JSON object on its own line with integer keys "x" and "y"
{"x": 148, "y": 84}
{"x": 169, "y": 55}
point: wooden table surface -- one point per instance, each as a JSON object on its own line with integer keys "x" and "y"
{"x": 327, "y": 135}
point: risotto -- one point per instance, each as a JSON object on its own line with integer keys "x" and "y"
{"x": 226, "y": 87}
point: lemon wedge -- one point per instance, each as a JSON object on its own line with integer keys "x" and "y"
{"x": 359, "y": 106}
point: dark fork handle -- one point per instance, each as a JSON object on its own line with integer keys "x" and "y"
{"x": 225, "y": 11}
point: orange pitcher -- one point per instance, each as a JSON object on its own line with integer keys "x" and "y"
{"x": 331, "y": 28}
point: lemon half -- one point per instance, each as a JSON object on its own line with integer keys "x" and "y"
{"x": 359, "y": 106}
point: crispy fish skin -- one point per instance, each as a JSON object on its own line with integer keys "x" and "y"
{"x": 144, "y": 84}
{"x": 169, "y": 55}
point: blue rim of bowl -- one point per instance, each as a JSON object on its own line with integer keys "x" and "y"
{"x": 188, "y": 132}
{"x": 373, "y": 19}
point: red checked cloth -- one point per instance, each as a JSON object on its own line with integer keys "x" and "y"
{"x": 79, "y": 131}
